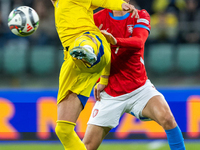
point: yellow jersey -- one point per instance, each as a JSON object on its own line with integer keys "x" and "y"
{"x": 75, "y": 76}
{"x": 74, "y": 17}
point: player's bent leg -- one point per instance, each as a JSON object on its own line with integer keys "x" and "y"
{"x": 69, "y": 108}
{"x": 67, "y": 135}
{"x": 94, "y": 136}
{"x": 84, "y": 53}
{"x": 157, "y": 109}
{"x": 85, "y": 48}
{"x": 68, "y": 112}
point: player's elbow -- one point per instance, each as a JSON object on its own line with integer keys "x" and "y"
{"x": 140, "y": 44}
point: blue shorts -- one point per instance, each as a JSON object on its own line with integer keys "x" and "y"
{"x": 83, "y": 99}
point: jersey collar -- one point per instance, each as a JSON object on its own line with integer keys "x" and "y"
{"x": 119, "y": 17}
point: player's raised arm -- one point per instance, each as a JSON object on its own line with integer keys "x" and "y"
{"x": 116, "y": 5}
{"x": 109, "y": 4}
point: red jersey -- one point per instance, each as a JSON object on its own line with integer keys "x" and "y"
{"x": 127, "y": 57}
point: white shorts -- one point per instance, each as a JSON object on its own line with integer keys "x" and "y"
{"x": 109, "y": 109}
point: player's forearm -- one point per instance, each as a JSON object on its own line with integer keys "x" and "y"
{"x": 106, "y": 70}
{"x": 137, "y": 41}
{"x": 109, "y": 4}
{"x": 134, "y": 42}
{"x": 104, "y": 80}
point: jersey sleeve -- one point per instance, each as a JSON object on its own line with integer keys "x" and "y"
{"x": 143, "y": 21}
{"x": 109, "y": 4}
{"x": 137, "y": 41}
{"x": 106, "y": 70}
{"x": 140, "y": 32}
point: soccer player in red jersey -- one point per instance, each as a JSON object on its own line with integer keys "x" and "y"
{"x": 129, "y": 90}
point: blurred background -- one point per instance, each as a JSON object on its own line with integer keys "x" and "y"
{"x": 29, "y": 72}
{"x": 171, "y": 55}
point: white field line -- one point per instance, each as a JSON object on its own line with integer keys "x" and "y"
{"x": 156, "y": 144}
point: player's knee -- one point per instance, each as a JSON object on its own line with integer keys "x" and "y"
{"x": 58, "y": 131}
{"x": 62, "y": 131}
{"x": 89, "y": 144}
{"x": 167, "y": 121}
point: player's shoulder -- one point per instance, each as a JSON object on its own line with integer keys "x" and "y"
{"x": 144, "y": 18}
{"x": 143, "y": 13}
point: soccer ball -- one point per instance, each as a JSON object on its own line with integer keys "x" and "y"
{"x": 23, "y": 21}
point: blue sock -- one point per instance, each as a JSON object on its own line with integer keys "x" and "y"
{"x": 175, "y": 139}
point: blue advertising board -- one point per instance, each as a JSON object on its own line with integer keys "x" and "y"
{"x": 32, "y": 114}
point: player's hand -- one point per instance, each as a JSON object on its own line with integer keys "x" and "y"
{"x": 98, "y": 90}
{"x": 130, "y": 8}
{"x": 109, "y": 37}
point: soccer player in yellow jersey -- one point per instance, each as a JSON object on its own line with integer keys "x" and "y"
{"x": 87, "y": 57}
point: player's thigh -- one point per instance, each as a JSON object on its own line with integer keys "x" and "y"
{"x": 69, "y": 108}
{"x": 94, "y": 136}
{"x": 156, "y": 108}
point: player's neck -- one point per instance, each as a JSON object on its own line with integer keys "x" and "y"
{"x": 118, "y": 13}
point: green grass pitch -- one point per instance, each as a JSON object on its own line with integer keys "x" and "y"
{"x": 104, "y": 146}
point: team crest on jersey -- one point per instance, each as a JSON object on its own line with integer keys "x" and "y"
{"x": 130, "y": 28}
{"x": 95, "y": 112}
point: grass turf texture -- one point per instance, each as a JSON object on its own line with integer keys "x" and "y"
{"x": 104, "y": 146}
